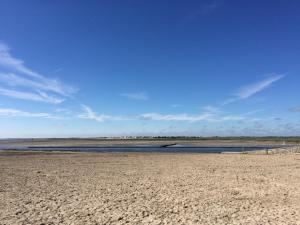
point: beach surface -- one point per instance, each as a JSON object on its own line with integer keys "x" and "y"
{"x": 149, "y": 188}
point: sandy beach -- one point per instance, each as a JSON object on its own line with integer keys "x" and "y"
{"x": 137, "y": 188}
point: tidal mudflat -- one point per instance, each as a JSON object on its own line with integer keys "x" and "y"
{"x": 149, "y": 188}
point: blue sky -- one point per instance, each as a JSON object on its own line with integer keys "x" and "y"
{"x": 107, "y": 68}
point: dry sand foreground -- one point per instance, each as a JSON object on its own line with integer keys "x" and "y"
{"x": 135, "y": 188}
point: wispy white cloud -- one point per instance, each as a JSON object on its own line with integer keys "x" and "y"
{"x": 10, "y": 62}
{"x": 89, "y": 114}
{"x": 232, "y": 118}
{"x": 63, "y": 110}
{"x": 136, "y": 96}
{"x": 253, "y": 112}
{"x": 52, "y": 86}
{"x": 175, "y": 117}
{"x": 18, "y": 75}
{"x": 252, "y": 89}
{"x": 176, "y": 105}
{"x": 8, "y": 112}
{"x": 39, "y": 96}
{"x": 211, "y": 109}
{"x": 248, "y": 91}
{"x": 205, "y": 116}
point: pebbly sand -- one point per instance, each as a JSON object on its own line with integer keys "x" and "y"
{"x": 118, "y": 188}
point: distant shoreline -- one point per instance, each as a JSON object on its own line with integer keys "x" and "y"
{"x": 217, "y": 145}
{"x": 160, "y": 141}
{"x": 149, "y": 149}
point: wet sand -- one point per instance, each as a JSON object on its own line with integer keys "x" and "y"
{"x": 140, "y": 188}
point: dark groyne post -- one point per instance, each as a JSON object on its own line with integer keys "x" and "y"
{"x": 168, "y": 145}
{"x": 267, "y": 150}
